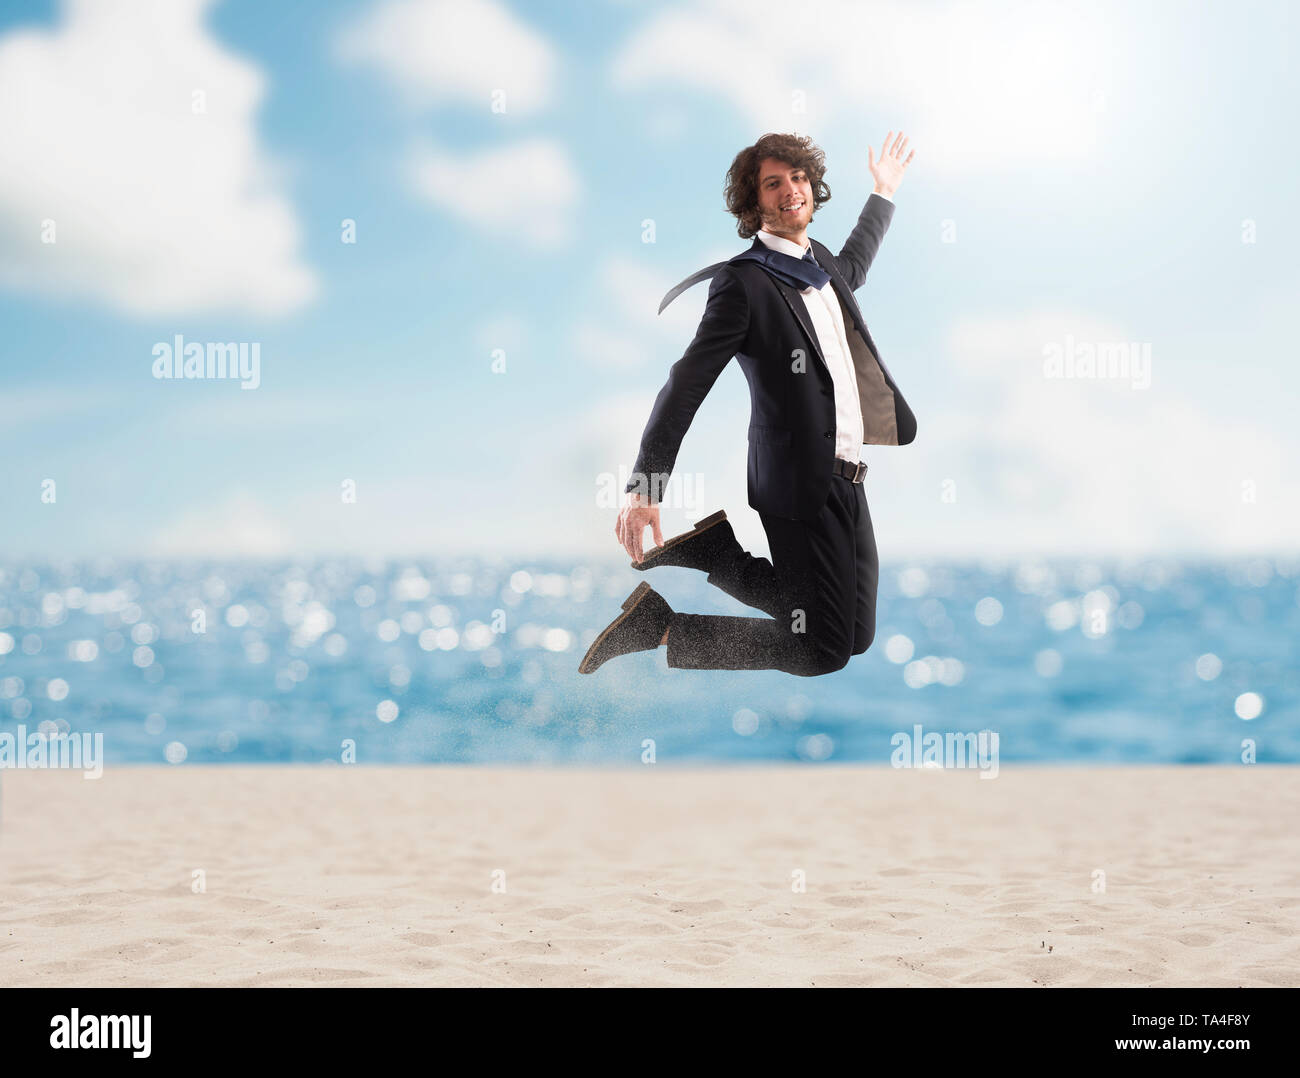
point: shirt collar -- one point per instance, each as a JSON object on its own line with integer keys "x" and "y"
{"x": 784, "y": 246}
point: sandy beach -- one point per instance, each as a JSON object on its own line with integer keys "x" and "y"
{"x": 268, "y": 875}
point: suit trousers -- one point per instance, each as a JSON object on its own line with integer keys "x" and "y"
{"x": 819, "y": 588}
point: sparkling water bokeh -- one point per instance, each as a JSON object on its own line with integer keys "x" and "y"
{"x": 475, "y": 661}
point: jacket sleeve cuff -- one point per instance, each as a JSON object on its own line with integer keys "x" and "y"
{"x": 651, "y": 485}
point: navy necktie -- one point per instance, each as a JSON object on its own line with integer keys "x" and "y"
{"x": 799, "y": 273}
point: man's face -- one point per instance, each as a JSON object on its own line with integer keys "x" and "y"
{"x": 784, "y": 196}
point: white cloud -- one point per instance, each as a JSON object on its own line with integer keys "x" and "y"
{"x": 1076, "y": 466}
{"x": 474, "y": 52}
{"x": 979, "y": 87}
{"x": 157, "y": 208}
{"x": 437, "y": 51}
{"x": 526, "y": 190}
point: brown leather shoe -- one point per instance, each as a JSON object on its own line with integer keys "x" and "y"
{"x": 639, "y": 628}
{"x": 695, "y": 549}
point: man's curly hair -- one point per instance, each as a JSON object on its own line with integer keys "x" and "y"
{"x": 741, "y": 191}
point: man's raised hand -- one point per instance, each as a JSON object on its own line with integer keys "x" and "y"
{"x": 888, "y": 171}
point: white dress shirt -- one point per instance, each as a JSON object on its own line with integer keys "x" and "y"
{"x": 827, "y": 317}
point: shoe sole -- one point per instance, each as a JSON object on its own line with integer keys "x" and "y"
{"x": 650, "y": 556}
{"x": 642, "y": 590}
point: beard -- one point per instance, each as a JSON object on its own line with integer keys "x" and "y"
{"x": 775, "y": 222}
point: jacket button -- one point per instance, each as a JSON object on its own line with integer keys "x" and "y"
{"x": 829, "y": 434}
{"x": 826, "y": 392}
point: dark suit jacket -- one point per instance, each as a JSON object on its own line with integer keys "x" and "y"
{"x": 764, "y": 323}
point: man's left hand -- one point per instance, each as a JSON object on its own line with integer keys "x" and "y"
{"x": 888, "y": 171}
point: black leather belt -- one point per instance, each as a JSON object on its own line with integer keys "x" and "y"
{"x": 850, "y": 471}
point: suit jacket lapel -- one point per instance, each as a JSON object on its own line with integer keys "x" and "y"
{"x": 794, "y": 300}
{"x": 827, "y": 262}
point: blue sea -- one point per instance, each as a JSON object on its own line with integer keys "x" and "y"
{"x": 475, "y": 661}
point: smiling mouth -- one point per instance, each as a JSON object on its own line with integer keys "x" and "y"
{"x": 794, "y": 208}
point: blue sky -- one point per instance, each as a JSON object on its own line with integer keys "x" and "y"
{"x": 1084, "y": 172}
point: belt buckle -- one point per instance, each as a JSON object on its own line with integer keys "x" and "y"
{"x": 859, "y": 472}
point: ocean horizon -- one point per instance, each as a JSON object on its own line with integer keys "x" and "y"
{"x": 474, "y": 661}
